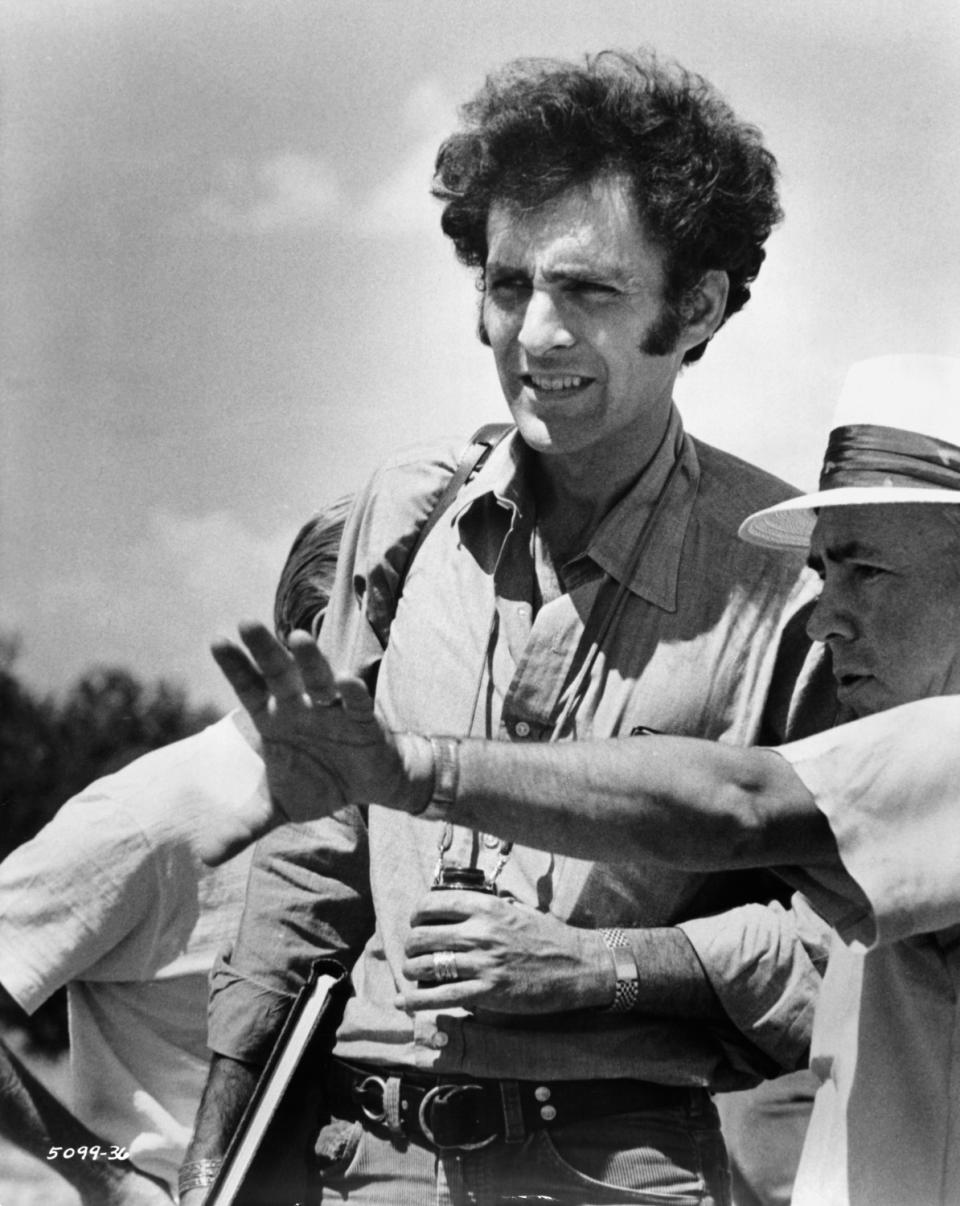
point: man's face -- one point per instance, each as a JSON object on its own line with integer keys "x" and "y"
{"x": 890, "y": 607}
{"x": 572, "y": 290}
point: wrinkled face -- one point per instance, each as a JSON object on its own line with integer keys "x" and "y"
{"x": 890, "y": 607}
{"x": 572, "y": 290}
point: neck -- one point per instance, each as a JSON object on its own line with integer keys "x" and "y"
{"x": 575, "y": 494}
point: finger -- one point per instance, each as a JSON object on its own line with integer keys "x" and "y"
{"x": 357, "y": 700}
{"x": 443, "y": 996}
{"x": 314, "y": 669}
{"x": 245, "y": 679}
{"x": 279, "y": 670}
{"x": 426, "y": 939}
{"x": 423, "y": 968}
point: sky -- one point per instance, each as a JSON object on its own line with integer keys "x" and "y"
{"x": 225, "y": 296}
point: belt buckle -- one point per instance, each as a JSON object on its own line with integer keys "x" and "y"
{"x": 439, "y": 1095}
{"x": 372, "y": 1082}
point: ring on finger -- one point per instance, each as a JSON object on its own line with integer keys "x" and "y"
{"x": 445, "y": 966}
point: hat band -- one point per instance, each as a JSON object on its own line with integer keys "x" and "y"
{"x": 867, "y": 455}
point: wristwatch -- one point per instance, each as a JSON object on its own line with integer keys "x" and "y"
{"x": 627, "y": 992}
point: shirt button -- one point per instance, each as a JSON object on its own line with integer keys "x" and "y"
{"x": 541, "y": 1093}
{"x": 548, "y": 1113}
{"x": 440, "y": 1039}
{"x": 521, "y": 728}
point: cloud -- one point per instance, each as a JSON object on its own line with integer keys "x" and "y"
{"x": 286, "y": 192}
{"x": 186, "y": 580}
{"x": 291, "y": 191}
{"x": 402, "y": 204}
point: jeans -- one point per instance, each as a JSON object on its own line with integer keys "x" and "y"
{"x": 668, "y": 1156}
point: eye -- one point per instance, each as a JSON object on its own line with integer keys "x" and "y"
{"x": 868, "y": 572}
{"x": 507, "y": 290}
{"x": 592, "y": 290}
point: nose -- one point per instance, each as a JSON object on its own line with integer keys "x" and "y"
{"x": 831, "y": 618}
{"x": 544, "y": 328}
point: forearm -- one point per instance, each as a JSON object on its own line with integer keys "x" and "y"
{"x": 688, "y": 803}
{"x": 670, "y": 978}
{"x": 230, "y": 1085}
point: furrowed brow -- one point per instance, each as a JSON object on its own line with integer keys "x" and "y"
{"x": 607, "y": 274}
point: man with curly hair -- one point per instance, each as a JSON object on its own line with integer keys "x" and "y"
{"x": 587, "y": 582}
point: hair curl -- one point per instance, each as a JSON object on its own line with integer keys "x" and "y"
{"x": 704, "y": 184}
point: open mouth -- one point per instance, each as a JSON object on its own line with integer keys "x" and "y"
{"x": 555, "y": 383}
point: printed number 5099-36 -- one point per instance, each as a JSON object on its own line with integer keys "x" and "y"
{"x": 95, "y": 1152}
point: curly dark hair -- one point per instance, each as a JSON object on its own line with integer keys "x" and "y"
{"x": 704, "y": 184}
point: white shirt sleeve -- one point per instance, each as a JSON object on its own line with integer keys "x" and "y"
{"x": 112, "y": 889}
{"x": 890, "y": 787}
{"x": 71, "y": 895}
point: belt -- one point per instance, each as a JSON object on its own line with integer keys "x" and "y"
{"x": 463, "y": 1113}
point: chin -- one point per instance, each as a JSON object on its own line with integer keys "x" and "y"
{"x": 536, "y": 434}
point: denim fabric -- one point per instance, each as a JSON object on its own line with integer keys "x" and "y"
{"x": 673, "y": 1157}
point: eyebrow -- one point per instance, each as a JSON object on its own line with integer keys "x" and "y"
{"x": 612, "y": 272}
{"x": 847, "y": 551}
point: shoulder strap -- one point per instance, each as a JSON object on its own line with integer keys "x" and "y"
{"x": 482, "y": 443}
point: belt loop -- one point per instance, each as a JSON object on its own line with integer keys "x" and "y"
{"x": 513, "y": 1129}
{"x": 391, "y": 1107}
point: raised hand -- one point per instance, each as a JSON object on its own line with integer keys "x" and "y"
{"x": 323, "y": 747}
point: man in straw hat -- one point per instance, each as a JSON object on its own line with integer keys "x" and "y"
{"x": 862, "y": 817}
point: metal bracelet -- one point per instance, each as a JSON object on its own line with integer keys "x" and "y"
{"x": 627, "y": 992}
{"x": 198, "y": 1174}
{"x": 446, "y": 777}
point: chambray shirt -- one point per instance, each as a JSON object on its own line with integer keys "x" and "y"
{"x": 490, "y": 640}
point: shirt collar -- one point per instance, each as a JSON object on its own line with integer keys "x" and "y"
{"x": 611, "y": 546}
{"x": 655, "y": 577}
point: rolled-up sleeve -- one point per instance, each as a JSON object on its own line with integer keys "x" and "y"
{"x": 307, "y": 896}
{"x": 764, "y": 962}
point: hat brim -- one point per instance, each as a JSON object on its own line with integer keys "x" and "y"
{"x": 789, "y": 524}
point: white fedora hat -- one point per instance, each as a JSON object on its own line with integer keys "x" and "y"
{"x": 895, "y": 439}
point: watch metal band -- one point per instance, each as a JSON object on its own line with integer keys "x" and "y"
{"x": 627, "y": 992}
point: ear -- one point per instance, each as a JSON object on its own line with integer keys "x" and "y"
{"x": 703, "y": 308}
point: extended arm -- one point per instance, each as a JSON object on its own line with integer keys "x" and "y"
{"x": 688, "y": 803}
{"x": 685, "y": 802}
